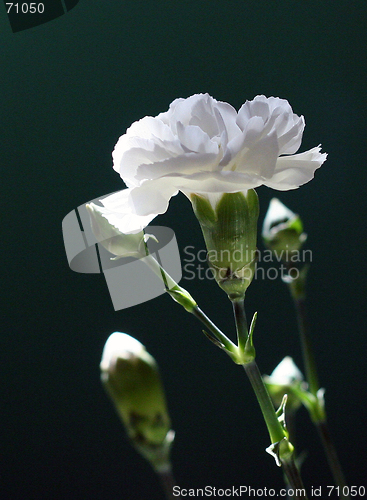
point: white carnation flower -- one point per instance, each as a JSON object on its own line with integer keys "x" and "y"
{"x": 205, "y": 147}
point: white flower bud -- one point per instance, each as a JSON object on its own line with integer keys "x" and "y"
{"x": 131, "y": 377}
{"x": 285, "y": 376}
{"x": 282, "y": 230}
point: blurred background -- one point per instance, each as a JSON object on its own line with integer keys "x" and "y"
{"x": 69, "y": 89}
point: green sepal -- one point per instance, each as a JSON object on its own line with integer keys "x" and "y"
{"x": 282, "y": 450}
{"x": 130, "y": 376}
{"x": 315, "y": 404}
{"x": 280, "y": 413}
{"x": 296, "y": 225}
{"x": 183, "y": 297}
{"x": 214, "y": 340}
{"x": 204, "y": 210}
{"x": 249, "y": 347}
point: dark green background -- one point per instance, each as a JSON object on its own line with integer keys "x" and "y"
{"x": 69, "y": 89}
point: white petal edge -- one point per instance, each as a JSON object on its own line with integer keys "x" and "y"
{"x": 293, "y": 171}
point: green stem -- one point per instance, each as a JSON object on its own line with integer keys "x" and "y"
{"x": 151, "y": 262}
{"x": 295, "y": 482}
{"x": 241, "y": 322}
{"x": 168, "y": 482}
{"x": 180, "y": 295}
{"x": 223, "y": 339}
{"x": 313, "y": 383}
{"x": 307, "y": 350}
{"x": 332, "y": 458}
{"x": 275, "y": 429}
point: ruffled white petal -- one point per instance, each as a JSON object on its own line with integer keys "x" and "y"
{"x": 147, "y": 141}
{"x": 187, "y": 164}
{"x": 293, "y": 171}
{"x": 194, "y": 139}
{"x": 204, "y": 146}
{"x": 290, "y": 140}
{"x": 259, "y": 158}
{"x": 229, "y": 117}
{"x": 248, "y": 136}
{"x": 217, "y": 182}
{"x": 258, "y": 107}
{"x": 152, "y": 197}
{"x": 119, "y": 214}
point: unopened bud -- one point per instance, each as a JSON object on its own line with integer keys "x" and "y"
{"x": 282, "y": 230}
{"x": 285, "y": 377}
{"x": 131, "y": 377}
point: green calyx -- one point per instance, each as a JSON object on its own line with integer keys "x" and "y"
{"x": 230, "y": 233}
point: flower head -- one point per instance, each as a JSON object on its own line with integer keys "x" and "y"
{"x": 206, "y": 147}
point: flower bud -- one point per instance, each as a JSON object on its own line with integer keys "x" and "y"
{"x": 229, "y": 226}
{"x": 117, "y": 243}
{"x": 285, "y": 377}
{"x": 282, "y": 230}
{"x": 131, "y": 377}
